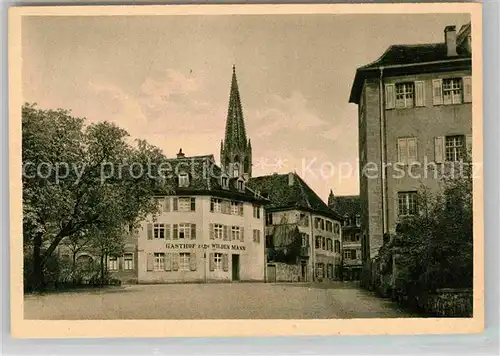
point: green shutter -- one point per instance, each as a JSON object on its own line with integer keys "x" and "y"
{"x": 175, "y": 232}
{"x": 225, "y": 262}
{"x": 212, "y": 262}
{"x": 193, "y": 204}
{"x": 166, "y": 205}
{"x": 225, "y": 233}
{"x": 150, "y": 261}
{"x": 193, "y": 231}
{"x": 192, "y": 261}
{"x": 242, "y": 234}
{"x": 175, "y": 261}
{"x": 168, "y": 261}
{"x": 150, "y": 231}
{"x": 176, "y": 204}
{"x": 212, "y": 232}
{"x": 167, "y": 231}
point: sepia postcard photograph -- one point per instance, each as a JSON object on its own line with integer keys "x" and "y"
{"x": 246, "y": 170}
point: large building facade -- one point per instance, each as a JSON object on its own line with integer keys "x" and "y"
{"x": 209, "y": 229}
{"x": 349, "y": 207}
{"x": 415, "y": 120}
{"x": 297, "y": 217}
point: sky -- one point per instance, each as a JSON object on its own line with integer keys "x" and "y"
{"x": 166, "y": 79}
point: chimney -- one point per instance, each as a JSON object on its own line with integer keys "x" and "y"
{"x": 450, "y": 39}
{"x": 290, "y": 179}
{"x": 180, "y": 154}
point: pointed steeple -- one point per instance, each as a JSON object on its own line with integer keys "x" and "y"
{"x": 235, "y": 125}
{"x": 236, "y": 152}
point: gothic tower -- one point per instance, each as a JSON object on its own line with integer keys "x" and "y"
{"x": 235, "y": 149}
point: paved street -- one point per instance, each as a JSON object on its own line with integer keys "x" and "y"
{"x": 213, "y": 301}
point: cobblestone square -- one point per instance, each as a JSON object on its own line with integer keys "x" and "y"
{"x": 213, "y": 301}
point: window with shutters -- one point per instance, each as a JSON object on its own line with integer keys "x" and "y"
{"x": 305, "y": 239}
{"x": 452, "y": 91}
{"x": 317, "y": 243}
{"x": 329, "y": 245}
{"x": 269, "y": 219}
{"x": 215, "y": 205}
{"x": 225, "y": 182}
{"x": 329, "y": 226}
{"x": 256, "y": 235}
{"x": 407, "y": 203}
{"x": 184, "y": 231}
{"x": 454, "y": 147}
{"x": 159, "y": 231}
{"x": 322, "y": 224}
{"x": 112, "y": 263}
{"x": 337, "y": 246}
{"x": 186, "y": 204}
{"x": 218, "y": 261}
{"x": 159, "y": 261}
{"x": 236, "y": 208}
{"x": 184, "y": 261}
{"x": 407, "y": 150}
{"x": 320, "y": 270}
{"x": 128, "y": 261}
{"x": 256, "y": 212}
{"x": 235, "y": 233}
{"x": 160, "y": 202}
{"x": 218, "y": 231}
{"x": 183, "y": 180}
{"x": 404, "y": 95}
{"x": 323, "y": 243}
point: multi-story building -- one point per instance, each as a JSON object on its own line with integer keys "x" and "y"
{"x": 210, "y": 228}
{"x": 414, "y": 118}
{"x": 294, "y": 206}
{"x": 349, "y": 207}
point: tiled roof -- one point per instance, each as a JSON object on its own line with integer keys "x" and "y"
{"x": 283, "y": 195}
{"x": 349, "y": 205}
{"x": 412, "y": 54}
{"x": 416, "y": 56}
{"x": 204, "y": 178}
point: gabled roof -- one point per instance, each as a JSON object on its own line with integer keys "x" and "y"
{"x": 348, "y": 205}
{"x": 204, "y": 179}
{"x": 284, "y": 196}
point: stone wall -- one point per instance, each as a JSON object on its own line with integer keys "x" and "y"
{"x": 284, "y": 272}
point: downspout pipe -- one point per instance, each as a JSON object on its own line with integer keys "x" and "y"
{"x": 383, "y": 159}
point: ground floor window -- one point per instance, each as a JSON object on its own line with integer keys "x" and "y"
{"x": 159, "y": 262}
{"x": 184, "y": 261}
{"x": 112, "y": 263}
{"x": 320, "y": 270}
{"x": 128, "y": 261}
{"x": 218, "y": 261}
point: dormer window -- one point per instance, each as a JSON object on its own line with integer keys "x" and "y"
{"x": 183, "y": 180}
{"x": 241, "y": 184}
{"x": 358, "y": 220}
{"x": 225, "y": 182}
{"x": 236, "y": 170}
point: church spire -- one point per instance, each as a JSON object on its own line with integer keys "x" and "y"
{"x": 236, "y": 155}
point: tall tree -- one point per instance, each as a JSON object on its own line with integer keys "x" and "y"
{"x": 77, "y": 177}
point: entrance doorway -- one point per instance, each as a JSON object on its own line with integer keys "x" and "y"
{"x": 303, "y": 271}
{"x": 271, "y": 273}
{"x": 236, "y": 267}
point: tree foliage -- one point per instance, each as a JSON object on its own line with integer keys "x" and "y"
{"x": 433, "y": 249}
{"x": 79, "y": 177}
